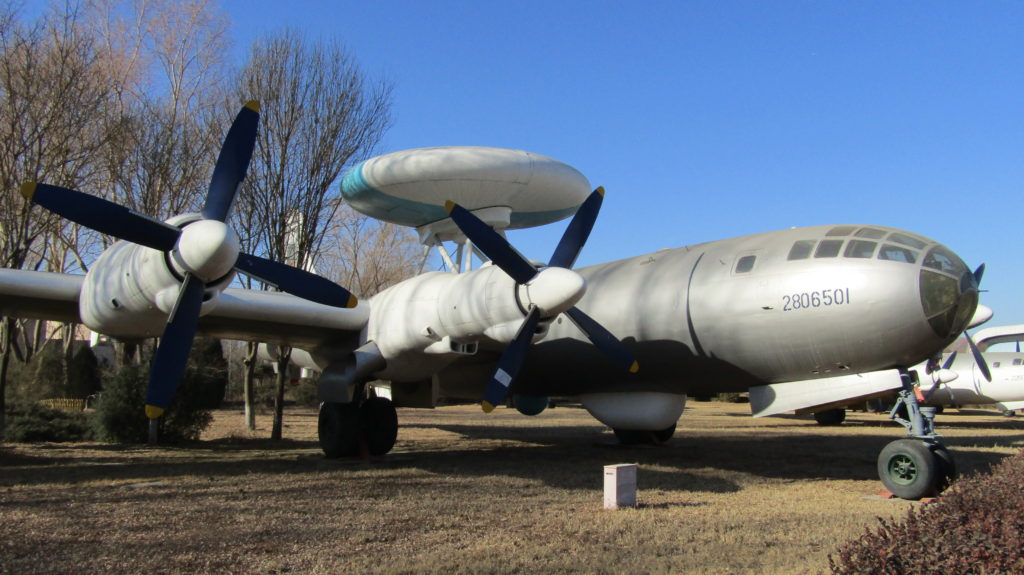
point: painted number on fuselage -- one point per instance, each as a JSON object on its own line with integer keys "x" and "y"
{"x": 814, "y": 299}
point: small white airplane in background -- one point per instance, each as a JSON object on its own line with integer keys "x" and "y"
{"x": 800, "y": 318}
{"x": 998, "y": 381}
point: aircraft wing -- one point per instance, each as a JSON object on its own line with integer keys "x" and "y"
{"x": 41, "y": 295}
{"x": 248, "y": 315}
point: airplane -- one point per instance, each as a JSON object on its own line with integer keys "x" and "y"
{"x": 798, "y": 317}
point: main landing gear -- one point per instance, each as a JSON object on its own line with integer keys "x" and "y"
{"x": 917, "y": 466}
{"x": 643, "y": 437}
{"x": 366, "y": 426}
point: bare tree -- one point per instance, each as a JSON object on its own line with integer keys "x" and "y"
{"x": 51, "y": 90}
{"x": 319, "y": 114}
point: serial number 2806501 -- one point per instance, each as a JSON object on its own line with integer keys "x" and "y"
{"x": 823, "y": 298}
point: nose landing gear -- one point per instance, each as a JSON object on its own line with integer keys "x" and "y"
{"x": 920, "y": 465}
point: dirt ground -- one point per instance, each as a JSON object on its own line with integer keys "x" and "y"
{"x": 467, "y": 492}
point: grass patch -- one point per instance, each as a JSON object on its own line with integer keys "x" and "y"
{"x": 464, "y": 492}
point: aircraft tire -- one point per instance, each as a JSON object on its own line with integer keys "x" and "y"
{"x": 378, "y": 423}
{"x": 830, "y": 417}
{"x": 947, "y": 468}
{"x": 338, "y": 429}
{"x": 908, "y": 469}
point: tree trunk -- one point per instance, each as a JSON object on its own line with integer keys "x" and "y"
{"x": 6, "y": 335}
{"x": 282, "y": 378}
{"x": 249, "y": 385}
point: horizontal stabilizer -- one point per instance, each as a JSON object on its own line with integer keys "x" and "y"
{"x": 825, "y": 392}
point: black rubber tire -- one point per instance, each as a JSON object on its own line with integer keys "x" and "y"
{"x": 665, "y": 434}
{"x": 908, "y": 469}
{"x": 947, "y": 468}
{"x": 338, "y": 429}
{"x": 378, "y": 424}
{"x": 830, "y": 417}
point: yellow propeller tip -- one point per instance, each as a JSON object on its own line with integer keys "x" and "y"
{"x": 600, "y": 190}
{"x": 253, "y": 105}
{"x": 28, "y": 189}
{"x": 487, "y": 407}
{"x": 154, "y": 412}
{"x": 449, "y": 206}
{"x": 635, "y": 367}
{"x": 352, "y": 302}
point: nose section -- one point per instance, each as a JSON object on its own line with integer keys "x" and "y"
{"x": 949, "y": 292}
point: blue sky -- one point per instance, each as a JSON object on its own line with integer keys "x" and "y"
{"x": 707, "y": 120}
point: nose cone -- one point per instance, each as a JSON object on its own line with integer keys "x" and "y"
{"x": 949, "y": 292}
{"x": 208, "y": 249}
{"x": 554, "y": 290}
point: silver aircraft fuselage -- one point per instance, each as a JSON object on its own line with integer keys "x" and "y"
{"x": 780, "y": 306}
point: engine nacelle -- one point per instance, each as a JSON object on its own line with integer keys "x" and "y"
{"x": 425, "y": 323}
{"x": 640, "y": 410}
{"x": 131, "y": 290}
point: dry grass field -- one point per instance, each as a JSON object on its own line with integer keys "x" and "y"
{"x": 468, "y": 493}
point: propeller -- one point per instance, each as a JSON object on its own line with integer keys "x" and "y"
{"x": 979, "y": 359}
{"x": 497, "y": 248}
{"x": 202, "y": 251}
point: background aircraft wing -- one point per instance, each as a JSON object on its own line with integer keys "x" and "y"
{"x": 40, "y": 295}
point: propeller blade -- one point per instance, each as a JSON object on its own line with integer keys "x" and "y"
{"x": 511, "y": 360}
{"x": 978, "y": 273}
{"x": 175, "y": 345}
{"x": 295, "y": 281}
{"x": 578, "y": 231}
{"x": 978, "y": 358}
{"x": 949, "y": 361}
{"x": 103, "y": 216}
{"x": 232, "y": 163}
{"x": 492, "y": 244}
{"x": 604, "y": 340}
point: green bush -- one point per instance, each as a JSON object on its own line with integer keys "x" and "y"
{"x": 83, "y": 373}
{"x": 120, "y": 416}
{"x": 977, "y": 527}
{"x": 37, "y": 422}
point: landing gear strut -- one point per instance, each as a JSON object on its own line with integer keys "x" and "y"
{"x": 363, "y": 427}
{"x": 917, "y": 466}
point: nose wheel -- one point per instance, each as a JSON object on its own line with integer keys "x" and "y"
{"x": 917, "y": 466}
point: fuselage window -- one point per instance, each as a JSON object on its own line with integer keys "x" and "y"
{"x": 801, "y": 250}
{"x": 860, "y": 249}
{"x": 941, "y": 259}
{"x": 870, "y": 233}
{"x": 897, "y": 254}
{"x": 828, "y": 248}
{"x": 995, "y": 364}
{"x": 840, "y": 231}
{"x": 907, "y": 240}
{"x": 745, "y": 264}
{"x": 1018, "y": 361}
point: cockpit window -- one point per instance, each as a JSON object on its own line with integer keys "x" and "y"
{"x": 870, "y": 233}
{"x": 897, "y": 253}
{"x": 840, "y": 231}
{"x": 828, "y": 248}
{"x": 801, "y": 250}
{"x": 939, "y": 258}
{"x": 907, "y": 240}
{"x": 745, "y": 264}
{"x": 860, "y": 249}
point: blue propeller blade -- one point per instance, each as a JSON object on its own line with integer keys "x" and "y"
{"x": 978, "y": 273}
{"x": 175, "y": 345}
{"x": 232, "y": 163}
{"x": 604, "y": 340}
{"x": 578, "y": 231}
{"x": 949, "y": 361}
{"x": 295, "y": 281}
{"x": 511, "y": 360}
{"x": 103, "y": 216}
{"x": 492, "y": 244}
{"x": 978, "y": 358}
